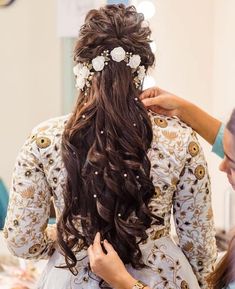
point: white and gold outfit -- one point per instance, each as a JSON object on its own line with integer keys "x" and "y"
{"x": 182, "y": 188}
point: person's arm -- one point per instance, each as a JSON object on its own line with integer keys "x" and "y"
{"x": 169, "y": 104}
{"x": 218, "y": 147}
{"x": 109, "y": 266}
{"x": 26, "y": 230}
{"x": 193, "y": 213}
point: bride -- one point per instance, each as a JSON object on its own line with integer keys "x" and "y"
{"x": 114, "y": 167}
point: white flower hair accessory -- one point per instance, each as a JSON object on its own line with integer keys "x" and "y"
{"x": 84, "y": 71}
{"x": 118, "y": 54}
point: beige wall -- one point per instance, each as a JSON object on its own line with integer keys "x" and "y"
{"x": 30, "y": 69}
{"x": 195, "y": 59}
{"x": 223, "y": 90}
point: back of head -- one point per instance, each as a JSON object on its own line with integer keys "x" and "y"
{"x": 105, "y": 142}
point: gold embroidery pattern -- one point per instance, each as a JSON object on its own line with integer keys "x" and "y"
{"x": 193, "y": 148}
{"x": 43, "y": 142}
{"x": 200, "y": 172}
{"x": 184, "y": 285}
{"x": 160, "y": 122}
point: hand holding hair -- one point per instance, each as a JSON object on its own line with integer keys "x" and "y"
{"x": 109, "y": 266}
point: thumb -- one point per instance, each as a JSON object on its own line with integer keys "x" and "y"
{"x": 108, "y": 247}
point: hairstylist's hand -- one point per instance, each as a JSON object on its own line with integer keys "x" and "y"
{"x": 163, "y": 102}
{"x": 166, "y": 103}
{"x": 109, "y": 266}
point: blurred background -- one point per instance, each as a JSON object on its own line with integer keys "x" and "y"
{"x": 193, "y": 42}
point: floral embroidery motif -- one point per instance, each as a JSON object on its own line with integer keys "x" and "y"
{"x": 160, "y": 122}
{"x": 188, "y": 246}
{"x": 28, "y": 173}
{"x": 5, "y": 233}
{"x": 157, "y": 192}
{"x": 34, "y": 249}
{"x": 170, "y": 135}
{"x": 209, "y": 214}
{"x": 193, "y": 149}
{"x": 199, "y": 172}
{"x": 43, "y": 142}
{"x": 184, "y": 285}
{"x": 28, "y": 193}
{"x": 157, "y": 234}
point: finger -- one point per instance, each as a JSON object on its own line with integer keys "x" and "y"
{"x": 108, "y": 247}
{"x": 150, "y": 92}
{"x": 152, "y": 101}
{"x": 97, "y": 249}
{"x": 90, "y": 254}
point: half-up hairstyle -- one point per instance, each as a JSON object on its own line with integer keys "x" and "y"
{"x": 105, "y": 144}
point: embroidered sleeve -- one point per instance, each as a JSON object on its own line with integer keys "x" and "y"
{"x": 29, "y": 206}
{"x": 193, "y": 213}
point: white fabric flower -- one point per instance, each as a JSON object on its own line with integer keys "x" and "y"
{"x": 80, "y": 82}
{"x": 118, "y": 54}
{"x": 84, "y": 72}
{"x": 98, "y": 63}
{"x": 134, "y": 61}
{"x": 77, "y": 68}
{"x": 141, "y": 73}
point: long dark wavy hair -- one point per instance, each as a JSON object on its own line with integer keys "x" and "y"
{"x": 105, "y": 153}
{"x": 224, "y": 273}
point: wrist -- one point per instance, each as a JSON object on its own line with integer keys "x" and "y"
{"x": 125, "y": 281}
{"x": 184, "y": 109}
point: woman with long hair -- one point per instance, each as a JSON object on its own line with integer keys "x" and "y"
{"x": 115, "y": 168}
